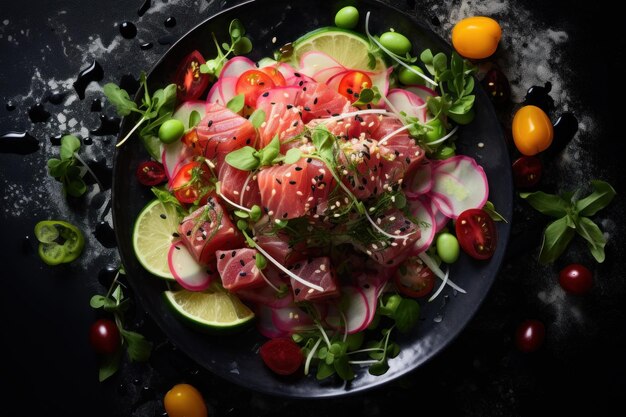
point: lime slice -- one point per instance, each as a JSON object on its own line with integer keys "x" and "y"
{"x": 214, "y": 308}
{"x": 152, "y": 236}
{"x": 350, "y": 49}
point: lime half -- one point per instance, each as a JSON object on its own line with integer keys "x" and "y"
{"x": 350, "y": 49}
{"x": 152, "y": 236}
{"x": 214, "y": 308}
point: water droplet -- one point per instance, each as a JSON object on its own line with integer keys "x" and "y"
{"x": 146, "y": 46}
{"x": 109, "y": 125}
{"x": 93, "y": 72}
{"x": 170, "y": 22}
{"x": 21, "y": 143}
{"x": 56, "y": 140}
{"x": 438, "y": 318}
{"x": 10, "y": 106}
{"x": 96, "y": 105}
{"x": 105, "y": 235}
{"x": 128, "y": 30}
{"x": 144, "y": 7}
{"x": 107, "y": 275}
{"x": 87, "y": 141}
{"x": 38, "y": 113}
{"x": 540, "y": 97}
{"x": 56, "y": 97}
{"x": 565, "y": 129}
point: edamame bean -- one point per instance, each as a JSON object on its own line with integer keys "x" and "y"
{"x": 347, "y": 18}
{"x": 448, "y": 247}
{"x": 408, "y": 77}
{"x": 437, "y": 131}
{"x": 171, "y": 130}
{"x": 396, "y": 43}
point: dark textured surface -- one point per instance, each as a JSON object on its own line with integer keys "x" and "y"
{"x": 48, "y": 365}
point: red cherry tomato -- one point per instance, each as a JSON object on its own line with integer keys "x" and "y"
{"x": 476, "y": 233}
{"x": 191, "y": 182}
{"x": 414, "y": 279}
{"x": 530, "y": 335}
{"x": 104, "y": 337}
{"x": 526, "y": 171}
{"x": 190, "y": 82}
{"x": 353, "y": 83}
{"x": 252, "y": 84}
{"x": 150, "y": 173}
{"x": 283, "y": 356}
{"x": 277, "y": 77}
{"x": 576, "y": 279}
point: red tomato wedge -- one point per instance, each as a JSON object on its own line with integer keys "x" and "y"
{"x": 252, "y": 84}
{"x": 190, "y": 182}
{"x": 476, "y": 232}
{"x": 353, "y": 83}
{"x": 190, "y": 82}
{"x": 283, "y": 356}
{"x": 414, "y": 279}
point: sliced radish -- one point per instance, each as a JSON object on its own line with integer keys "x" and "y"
{"x": 183, "y": 112}
{"x": 291, "y": 319}
{"x": 381, "y": 80}
{"x": 459, "y": 183}
{"x": 325, "y": 74}
{"x": 186, "y": 270}
{"x": 441, "y": 220}
{"x": 355, "y": 309}
{"x": 265, "y": 324}
{"x": 426, "y": 220}
{"x": 407, "y": 102}
{"x": 222, "y": 91}
{"x": 298, "y": 79}
{"x": 314, "y": 61}
{"x": 422, "y": 91}
{"x": 370, "y": 285}
{"x": 174, "y": 156}
{"x": 236, "y": 66}
{"x": 419, "y": 181}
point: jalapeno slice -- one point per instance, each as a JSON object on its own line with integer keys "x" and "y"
{"x": 59, "y": 241}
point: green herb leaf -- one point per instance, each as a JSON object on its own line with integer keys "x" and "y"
{"x": 293, "y": 155}
{"x": 556, "y": 237}
{"x": 324, "y": 370}
{"x": 244, "y": 158}
{"x": 138, "y": 347}
{"x": 260, "y": 261}
{"x": 194, "y": 118}
{"x": 119, "y": 98}
{"x": 491, "y": 211}
{"x": 257, "y": 118}
{"x": 378, "y": 368}
{"x": 594, "y": 237}
{"x": 236, "y": 103}
{"x": 343, "y": 368}
{"x": 601, "y": 197}
{"x": 109, "y": 365}
{"x": 242, "y": 46}
{"x": 165, "y": 196}
{"x": 406, "y": 315}
{"x": 69, "y": 145}
{"x": 549, "y": 204}
{"x": 270, "y": 152}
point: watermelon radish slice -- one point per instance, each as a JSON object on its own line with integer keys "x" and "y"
{"x": 291, "y": 319}
{"x": 183, "y": 112}
{"x": 425, "y": 218}
{"x": 459, "y": 184}
{"x": 407, "y": 102}
{"x": 236, "y": 66}
{"x": 440, "y": 219}
{"x": 419, "y": 181}
{"x": 186, "y": 270}
{"x": 222, "y": 91}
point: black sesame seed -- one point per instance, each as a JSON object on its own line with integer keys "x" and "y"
{"x": 295, "y": 123}
{"x": 177, "y": 248}
{"x": 292, "y": 182}
{"x": 308, "y": 160}
{"x": 266, "y": 94}
{"x": 297, "y": 291}
{"x": 298, "y": 168}
{"x": 278, "y": 181}
{"x": 210, "y": 123}
{"x": 261, "y": 83}
{"x": 163, "y": 216}
{"x": 289, "y": 106}
{"x": 188, "y": 233}
{"x": 304, "y": 89}
{"x": 175, "y": 234}
{"x": 307, "y": 108}
{"x": 233, "y": 253}
{"x": 248, "y": 141}
{"x": 222, "y": 256}
{"x": 349, "y": 91}
{"x": 315, "y": 100}
{"x": 241, "y": 262}
{"x": 285, "y": 215}
{"x": 300, "y": 84}
{"x": 242, "y": 274}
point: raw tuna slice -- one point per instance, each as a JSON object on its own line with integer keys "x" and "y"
{"x": 391, "y": 251}
{"x": 291, "y": 190}
{"x": 238, "y": 186}
{"x": 319, "y": 101}
{"x": 207, "y": 230}
{"x": 403, "y": 154}
{"x": 267, "y": 295}
{"x": 360, "y": 161}
{"x": 282, "y": 116}
{"x": 222, "y": 131}
{"x": 238, "y": 270}
{"x": 317, "y": 271}
{"x": 276, "y": 244}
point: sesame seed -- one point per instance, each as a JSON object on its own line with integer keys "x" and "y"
{"x": 274, "y": 39}
{"x": 270, "y": 213}
{"x": 273, "y": 191}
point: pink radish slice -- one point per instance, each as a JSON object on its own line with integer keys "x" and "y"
{"x": 174, "y": 155}
{"x": 407, "y": 102}
{"x": 291, "y": 319}
{"x": 296, "y": 80}
{"x": 236, "y": 66}
{"x": 183, "y": 112}
{"x": 314, "y": 61}
{"x": 186, "y": 270}
{"x": 265, "y": 324}
{"x": 441, "y": 220}
{"x": 459, "y": 184}
{"x": 422, "y": 91}
{"x": 422, "y": 213}
{"x": 222, "y": 91}
{"x": 355, "y": 309}
{"x": 381, "y": 80}
{"x": 370, "y": 285}
{"x": 325, "y": 74}
{"x": 420, "y": 181}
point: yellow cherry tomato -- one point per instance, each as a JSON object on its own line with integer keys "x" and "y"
{"x": 476, "y": 37}
{"x": 184, "y": 400}
{"x": 532, "y": 130}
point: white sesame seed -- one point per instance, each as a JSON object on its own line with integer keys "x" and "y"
{"x": 299, "y": 193}
{"x": 309, "y": 199}
{"x": 392, "y": 218}
{"x": 274, "y": 39}
{"x": 369, "y": 252}
{"x": 374, "y": 246}
{"x": 235, "y": 192}
{"x": 270, "y": 213}
{"x": 310, "y": 290}
{"x": 273, "y": 191}
{"x": 317, "y": 271}
{"x": 323, "y": 267}
{"x": 481, "y": 145}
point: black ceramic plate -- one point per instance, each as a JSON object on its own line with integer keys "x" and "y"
{"x": 235, "y": 357}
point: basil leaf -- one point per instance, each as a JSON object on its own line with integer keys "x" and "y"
{"x": 440, "y": 62}
{"x": 549, "y": 204}
{"x": 119, "y": 98}
{"x": 257, "y": 118}
{"x": 293, "y": 155}
{"x": 594, "y": 237}
{"x": 406, "y": 315}
{"x": 324, "y": 370}
{"x": 556, "y": 237}
{"x": 69, "y": 145}
{"x": 236, "y": 103}
{"x": 138, "y": 347}
{"x": 601, "y": 197}
{"x": 109, "y": 365}
{"x": 243, "y": 158}
{"x": 165, "y": 197}
{"x": 270, "y": 152}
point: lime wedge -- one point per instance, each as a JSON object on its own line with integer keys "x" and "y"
{"x": 214, "y": 308}
{"x": 350, "y": 49}
{"x": 152, "y": 236}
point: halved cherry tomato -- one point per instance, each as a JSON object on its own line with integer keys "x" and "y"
{"x": 252, "y": 84}
{"x": 191, "y": 182}
{"x": 476, "y": 232}
{"x": 414, "y": 279}
{"x": 283, "y": 356}
{"x": 353, "y": 83}
{"x": 150, "y": 173}
{"x": 184, "y": 400}
{"x": 275, "y": 75}
{"x": 190, "y": 82}
{"x": 526, "y": 171}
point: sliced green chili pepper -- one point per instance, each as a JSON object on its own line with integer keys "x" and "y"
{"x": 59, "y": 241}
